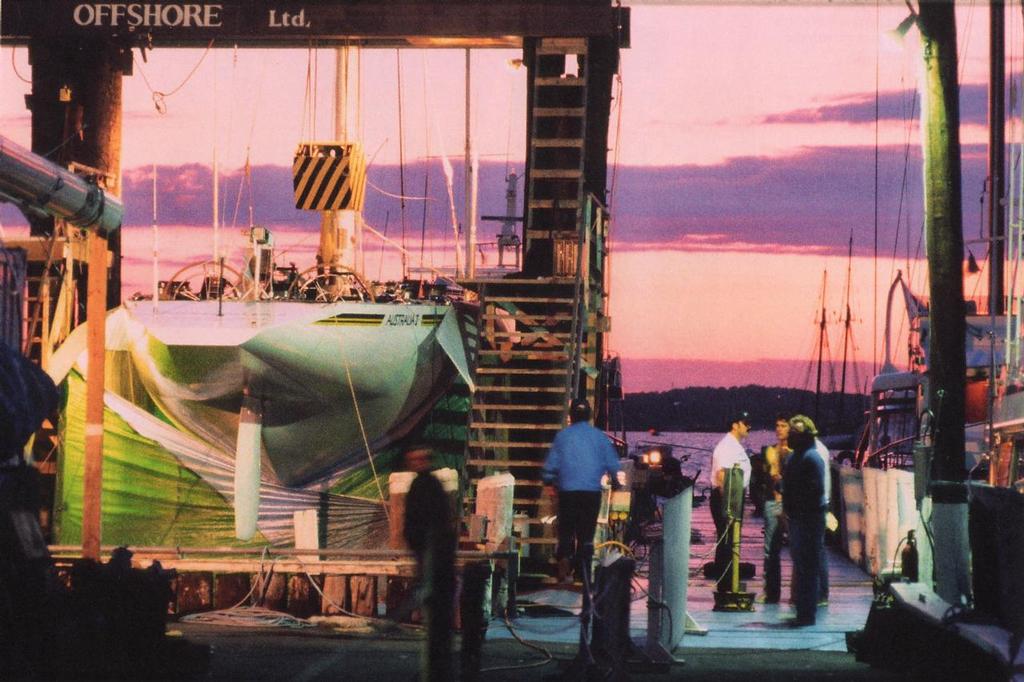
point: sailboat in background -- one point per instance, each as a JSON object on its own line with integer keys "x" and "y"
{"x": 837, "y": 424}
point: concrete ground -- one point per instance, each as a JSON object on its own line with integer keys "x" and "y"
{"x": 238, "y": 653}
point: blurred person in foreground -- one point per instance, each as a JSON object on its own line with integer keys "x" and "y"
{"x": 27, "y": 587}
{"x": 430, "y": 533}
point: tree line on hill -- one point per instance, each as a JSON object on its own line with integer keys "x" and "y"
{"x": 707, "y": 408}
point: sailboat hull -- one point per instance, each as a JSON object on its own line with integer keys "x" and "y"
{"x": 332, "y": 380}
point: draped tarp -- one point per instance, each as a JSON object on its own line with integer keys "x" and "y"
{"x": 164, "y": 487}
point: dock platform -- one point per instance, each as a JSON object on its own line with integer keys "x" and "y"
{"x": 764, "y": 628}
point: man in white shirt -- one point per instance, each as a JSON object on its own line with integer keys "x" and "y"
{"x": 728, "y": 453}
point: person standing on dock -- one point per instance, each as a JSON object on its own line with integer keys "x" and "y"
{"x": 728, "y": 453}
{"x": 803, "y": 500}
{"x": 774, "y": 457}
{"x": 822, "y": 450}
{"x": 579, "y": 457}
{"x": 430, "y": 533}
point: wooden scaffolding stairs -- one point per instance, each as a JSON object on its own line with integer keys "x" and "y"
{"x": 530, "y": 329}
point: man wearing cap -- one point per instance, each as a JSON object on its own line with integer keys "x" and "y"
{"x": 728, "y": 453}
{"x": 579, "y": 458}
{"x": 803, "y": 500}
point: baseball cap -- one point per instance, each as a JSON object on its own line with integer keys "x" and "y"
{"x": 801, "y": 423}
{"x": 741, "y": 416}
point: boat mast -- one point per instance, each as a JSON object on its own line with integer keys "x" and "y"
{"x": 821, "y": 345}
{"x": 470, "y": 178}
{"x": 334, "y": 237}
{"x": 847, "y": 332}
{"x": 996, "y": 156}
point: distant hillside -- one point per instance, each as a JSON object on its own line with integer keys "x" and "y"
{"x": 708, "y": 409}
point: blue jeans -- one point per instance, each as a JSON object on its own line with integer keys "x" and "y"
{"x": 806, "y": 533}
{"x": 773, "y": 528}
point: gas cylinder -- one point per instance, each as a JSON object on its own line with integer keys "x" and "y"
{"x": 908, "y": 558}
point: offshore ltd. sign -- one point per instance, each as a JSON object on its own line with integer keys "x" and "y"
{"x": 284, "y": 23}
{"x": 172, "y": 15}
{"x": 134, "y": 14}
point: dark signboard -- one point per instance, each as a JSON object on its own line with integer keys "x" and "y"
{"x": 420, "y": 23}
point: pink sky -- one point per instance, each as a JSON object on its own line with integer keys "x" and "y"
{"x": 717, "y": 91}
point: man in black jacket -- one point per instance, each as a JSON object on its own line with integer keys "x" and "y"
{"x": 803, "y": 501}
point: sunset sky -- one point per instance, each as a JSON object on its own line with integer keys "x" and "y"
{"x": 745, "y": 160}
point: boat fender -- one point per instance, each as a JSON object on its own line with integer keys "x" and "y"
{"x": 247, "y": 468}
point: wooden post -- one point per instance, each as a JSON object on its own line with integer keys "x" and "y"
{"x": 996, "y": 158}
{"x": 76, "y": 117}
{"x": 944, "y": 234}
{"x": 92, "y": 480}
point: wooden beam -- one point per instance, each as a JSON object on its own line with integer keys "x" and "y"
{"x": 270, "y": 23}
{"x": 92, "y": 481}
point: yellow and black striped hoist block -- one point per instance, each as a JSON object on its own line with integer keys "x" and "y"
{"x": 329, "y": 176}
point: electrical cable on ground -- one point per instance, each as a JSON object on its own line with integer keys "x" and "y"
{"x": 536, "y": 647}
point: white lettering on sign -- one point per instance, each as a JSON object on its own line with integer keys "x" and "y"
{"x": 147, "y": 15}
{"x": 287, "y": 19}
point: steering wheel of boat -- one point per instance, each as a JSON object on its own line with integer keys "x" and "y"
{"x": 328, "y": 287}
{"x": 202, "y": 282}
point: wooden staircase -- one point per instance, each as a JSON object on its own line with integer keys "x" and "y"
{"x": 523, "y": 379}
{"x": 539, "y": 332}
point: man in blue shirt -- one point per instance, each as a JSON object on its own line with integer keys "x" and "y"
{"x": 578, "y": 459}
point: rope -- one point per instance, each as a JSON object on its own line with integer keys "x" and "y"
{"x": 403, "y": 197}
{"x": 16, "y": 73}
{"x": 340, "y": 608}
{"x": 160, "y": 97}
{"x": 249, "y": 617}
{"x": 362, "y": 432}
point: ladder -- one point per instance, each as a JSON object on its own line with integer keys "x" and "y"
{"x": 538, "y": 334}
{"x": 555, "y": 176}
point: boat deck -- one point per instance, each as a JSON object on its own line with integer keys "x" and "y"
{"x": 762, "y": 628}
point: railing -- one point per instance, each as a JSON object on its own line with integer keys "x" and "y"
{"x": 591, "y": 218}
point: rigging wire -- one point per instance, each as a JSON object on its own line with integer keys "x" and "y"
{"x": 159, "y": 96}
{"x": 426, "y": 164}
{"x": 874, "y": 279}
{"x": 404, "y": 197}
{"x": 401, "y": 158}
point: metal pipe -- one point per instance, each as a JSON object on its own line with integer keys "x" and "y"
{"x": 37, "y": 184}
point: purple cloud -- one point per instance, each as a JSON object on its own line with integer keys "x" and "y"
{"x": 892, "y": 106}
{"x": 811, "y": 200}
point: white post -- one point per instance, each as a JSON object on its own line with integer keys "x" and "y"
{"x": 156, "y": 249}
{"x": 216, "y": 172}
